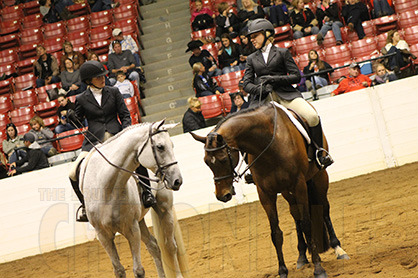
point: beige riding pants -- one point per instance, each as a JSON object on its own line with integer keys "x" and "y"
{"x": 83, "y": 154}
{"x": 300, "y": 106}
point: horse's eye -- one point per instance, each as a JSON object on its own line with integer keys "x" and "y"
{"x": 160, "y": 147}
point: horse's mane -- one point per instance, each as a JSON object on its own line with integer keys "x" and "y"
{"x": 129, "y": 128}
{"x": 241, "y": 112}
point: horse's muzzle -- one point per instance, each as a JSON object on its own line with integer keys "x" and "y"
{"x": 177, "y": 183}
{"x": 225, "y": 198}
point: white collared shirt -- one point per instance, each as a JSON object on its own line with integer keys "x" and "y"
{"x": 266, "y": 51}
{"x": 97, "y": 93}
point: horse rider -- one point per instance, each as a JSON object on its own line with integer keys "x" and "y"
{"x": 269, "y": 75}
{"x": 101, "y": 106}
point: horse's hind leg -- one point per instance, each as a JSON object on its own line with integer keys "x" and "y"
{"x": 109, "y": 245}
{"x": 133, "y": 235}
{"x": 320, "y": 182}
{"x": 152, "y": 247}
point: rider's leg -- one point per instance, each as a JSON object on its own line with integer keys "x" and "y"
{"x": 76, "y": 186}
{"x": 147, "y": 198}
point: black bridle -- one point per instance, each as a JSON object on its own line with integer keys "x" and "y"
{"x": 234, "y": 175}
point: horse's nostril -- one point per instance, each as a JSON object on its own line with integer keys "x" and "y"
{"x": 227, "y": 197}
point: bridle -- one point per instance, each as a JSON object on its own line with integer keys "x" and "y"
{"x": 234, "y": 175}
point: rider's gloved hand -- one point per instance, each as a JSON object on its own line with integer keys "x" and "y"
{"x": 267, "y": 79}
{"x": 267, "y": 89}
{"x": 71, "y": 115}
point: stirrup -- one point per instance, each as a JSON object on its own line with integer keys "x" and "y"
{"x": 323, "y": 161}
{"x": 82, "y": 217}
{"x": 148, "y": 199}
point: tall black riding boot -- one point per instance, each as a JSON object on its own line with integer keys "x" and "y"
{"x": 147, "y": 198}
{"x": 82, "y": 217}
{"x": 323, "y": 158}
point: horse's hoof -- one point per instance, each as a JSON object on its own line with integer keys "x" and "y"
{"x": 343, "y": 257}
{"x": 283, "y": 275}
{"x": 322, "y": 275}
{"x": 301, "y": 262}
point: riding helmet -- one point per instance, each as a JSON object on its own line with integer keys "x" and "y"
{"x": 259, "y": 25}
{"x": 91, "y": 69}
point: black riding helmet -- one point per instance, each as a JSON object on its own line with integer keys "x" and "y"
{"x": 91, "y": 69}
{"x": 261, "y": 25}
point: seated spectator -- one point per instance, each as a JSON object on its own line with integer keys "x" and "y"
{"x": 315, "y": 65}
{"x": 226, "y": 22}
{"x": 382, "y": 75}
{"x": 304, "y": 22}
{"x": 122, "y": 60}
{"x": 76, "y": 56}
{"x": 355, "y": 81}
{"x": 34, "y": 158}
{"x": 249, "y": 11}
{"x": 202, "y": 17}
{"x": 193, "y": 118}
{"x": 279, "y": 14}
{"x": 127, "y": 43}
{"x": 394, "y": 44}
{"x": 229, "y": 55}
{"x": 41, "y": 134}
{"x": 102, "y": 5}
{"x": 12, "y": 144}
{"x": 70, "y": 79}
{"x": 204, "y": 57}
{"x": 125, "y": 86}
{"x": 354, "y": 13}
{"x": 247, "y": 48}
{"x": 202, "y": 83}
{"x": 45, "y": 68}
{"x": 238, "y": 102}
{"x": 92, "y": 56}
{"x": 65, "y": 105}
{"x": 241, "y": 90}
{"x": 328, "y": 17}
{"x": 381, "y": 8}
{"x": 55, "y": 10}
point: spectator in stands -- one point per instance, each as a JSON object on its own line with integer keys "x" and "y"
{"x": 204, "y": 57}
{"x": 12, "y": 144}
{"x": 382, "y": 75}
{"x": 42, "y": 134}
{"x": 226, "y": 22}
{"x": 193, "y": 118}
{"x": 122, "y": 60}
{"x": 92, "y": 56}
{"x": 328, "y": 18}
{"x": 127, "y": 43}
{"x": 316, "y": 65}
{"x": 76, "y": 56}
{"x": 238, "y": 102}
{"x": 394, "y": 44}
{"x": 355, "y": 81}
{"x": 202, "y": 17}
{"x": 202, "y": 83}
{"x": 250, "y": 11}
{"x": 65, "y": 105}
{"x": 102, "y": 5}
{"x": 246, "y": 47}
{"x": 55, "y": 10}
{"x": 381, "y": 8}
{"x": 45, "y": 68}
{"x": 354, "y": 13}
{"x": 70, "y": 79}
{"x": 125, "y": 86}
{"x": 304, "y": 22}
{"x": 241, "y": 90}
{"x": 279, "y": 14}
{"x": 229, "y": 55}
{"x": 34, "y": 158}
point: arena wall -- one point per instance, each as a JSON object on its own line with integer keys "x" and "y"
{"x": 368, "y": 130}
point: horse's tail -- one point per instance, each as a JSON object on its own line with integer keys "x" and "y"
{"x": 319, "y": 230}
{"x": 169, "y": 268}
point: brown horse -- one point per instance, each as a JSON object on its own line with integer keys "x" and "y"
{"x": 279, "y": 161}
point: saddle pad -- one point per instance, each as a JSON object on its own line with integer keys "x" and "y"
{"x": 294, "y": 121}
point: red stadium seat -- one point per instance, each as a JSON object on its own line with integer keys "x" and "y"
{"x": 334, "y": 76}
{"x": 25, "y": 66}
{"x": 42, "y": 91}
{"x": 411, "y": 34}
{"x": 6, "y": 86}
{"x": 386, "y": 23}
{"x": 55, "y": 30}
{"x": 79, "y": 9}
{"x": 6, "y": 104}
{"x": 47, "y": 109}
{"x": 211, "y": 47}
{"x": 125, "y": 11}
{"x": 405, "y": 5}
{"x": 205, "y": 4}
{"x": 71, "y": 143}
{"x": 283, "y": 33}
{"x": 31, "y": 36}
{"x": 287, "y": 44}
{"x": 22, "y": 116}
{"x": 102, "y": 18}
{"x": 305, "y": 44}
{"x": 211, "y": 106}
{"x": 9, "y": 41}
{"x": 132, "y": 105}
{"x": 381, "y": 40}
{"x": 23, "y": 129}
{"x": 53, "y": 44}
{"x": 100, "y": 47}
{"x": 25, "y": 98}
{"x": 9, "y": 27}
{"x": 25, "y": 81}
{"x": 236, "y": 75}
{"x": 32, "y": 21}
{"x": 414, "y": 50}
{"x": 227, "y": 102}
{"x": 7, "y": 69}
{"x": 27, "y": 51}
{"x": 81, "y": 23}
{"x": 4, "y": 120}
{"x": 58, "y": 56}
{"x": 100, "y": 33}
{"x": 338, "y": 54}
{"x": 369, "y": 29}
{"x": 78, "y": 38}
{"x": 206, "y": 34}
{"x": 51, "y": 122}
{"x": 31, "y": 7}
{"x": 363, "y": 47}
{"x": 408, "y": 18}
{"x": 11, "y": 13}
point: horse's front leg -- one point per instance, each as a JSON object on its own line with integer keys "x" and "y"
{"x": 152, "y": 247}
{"x": 268, "y": 201}
{"x": 106, "y": 239}
{"x": 133, "y": 235}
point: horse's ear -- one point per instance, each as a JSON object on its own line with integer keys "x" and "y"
{"x": 157, "y": 125}
{"x": 198, "y": 137}
{"x": 168, "y": 126}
